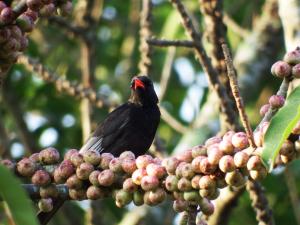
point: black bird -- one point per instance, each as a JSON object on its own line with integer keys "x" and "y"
{"x": 130, "y": 127}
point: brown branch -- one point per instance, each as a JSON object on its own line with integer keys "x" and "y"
{"x": 169, "y": 43}
{"x": 145, "y": 33}
{"x": 4, "y": 141}
{"x": 236, "y": 94}
{"x": 204, "y": 60}
{"x": 64, "y": 85}
{"x": 260, "y": 203}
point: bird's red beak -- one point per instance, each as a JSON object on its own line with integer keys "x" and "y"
{"x": 138, "y": 83}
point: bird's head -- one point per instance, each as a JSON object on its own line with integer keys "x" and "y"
{"x": 143, "y": 91}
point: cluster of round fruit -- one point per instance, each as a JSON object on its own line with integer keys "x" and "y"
{"x": 13, "y": 27}
{"x": 289, "y": 67}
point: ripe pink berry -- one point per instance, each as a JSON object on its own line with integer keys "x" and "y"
{"x": 212, "y": 140}
{"x": 296, "y": 71}
{"x": 195, "y": 181}
{"x": 206, "y": 167}
{"x": 129, "y": 185}
{"x": 226, "y": 147}
{"x": 73, "y": 182}
{"x": 26, "y": 167}
{"x": 115, "y": 165}
{"x": 281, "y": 69}
{"x": 41, "y": 178}
{"x": 196, "y": 164}
{"x": 105, "y": 160}
{"x": 292, "y": 57}
{"x": 35, "y": 157}
{"x": 92, "y": 157}
{"x": 157, "y": 196}
{"x": 254, "y": 163}
{"x": 228, "y": 135}
{"x": 240, "y": 140}
{"x": 77, "y": 159}
{"x": 185, "y": 156}
{"x": 170, "y": 164}
{"x": 127, "y": 155}
{"x": 156, "y": 170}
{"x": 241, "y": 159}
{"x": 149, "y": 183}
{"x": 264, "y": 109}
{"x": 276, "y": 101}
{"x": 184, "y": 184}
{"x": 128, "y": 165}
{"x": 84, "y": 170}
{"x": 66, "y": 169}
{"x": 199, "y": 150}
{"x": 106, "y": 178}
{"x": 206, "y": 182}
{"x": 49, "y": 156}
{"x": 214, "y": 156}
{"x": 69, "y": 153}
{"x": 226, "y": 164}
{"x": 138, "y": 175}
{"x": 94, "y": 193}
{"x": 2, "y": 6}
{"x": 93, "y": 178}
{"x": 143, "y": 161}
{"x": 6, "y": 15}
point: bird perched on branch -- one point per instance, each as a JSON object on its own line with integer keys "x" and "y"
{"x": 130, "y": 127}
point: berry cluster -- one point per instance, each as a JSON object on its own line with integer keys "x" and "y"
{"x": 16, "y": 23}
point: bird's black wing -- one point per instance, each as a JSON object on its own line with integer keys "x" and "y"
{"x": 110, "y": 129}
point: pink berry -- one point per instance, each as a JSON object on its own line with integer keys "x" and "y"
{"x": 264, "y": 109}
{"x": 276, "y": 101}
{"x": 281, "y": 69}
{"x": 240, "y": 140}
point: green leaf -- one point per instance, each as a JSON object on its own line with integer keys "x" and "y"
{"x": 14, "y": 195}
{"x": 280, "y": 128}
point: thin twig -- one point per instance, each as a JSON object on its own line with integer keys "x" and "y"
{"x": 293, "y": 192}
{"x": 170, "y": 120}
{"x": 169, "y": 43}
{"x": 236, "y": 94}
{"x": 260, "y": 204}
{"x": 204, "y": 60}
{"x": 64, "y": 85}
{"x": 145, "y": 33}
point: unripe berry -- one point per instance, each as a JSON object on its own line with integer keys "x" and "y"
{"x": 258, "y": 174}
{"x": 191, "y": 196}
{"x": 57, "y": 177}
{"x": 206, "y": 182}
{"x": 73, "y": 182}
{"x": 93, "y": 178}
{"x": 287, "y": 148}
{"x": 6, "y": 15}
{"x": 49, "y": 156}
{"x": 84, "y": 170}
{"x": 48, "y": 10}
{"x": 185, "y": 156}
{"x": 199, "y": 150}
{"x": 157, "y": 196}
{"x": 26, "y": 167}
{"x": 41, "y": 178}
{"x": 170, "y": 164}
{"x": 35, "y": 157}
{"x": 296, "y": 71}
{"x": 235, "y": 178}
{"x": 196, "y": 164}
{"x": 77, "y": 194}
{"x": 105, "y": 160}
{"x": 254, "y": 163}
{"x": 94, "y": 193}
{"x": 195, "y": 181}
{"x": 171, "y": 183}
{"x": 226, "y": 147}
{"x": 138, "y": 175}
{"x": 66, "y": 169}
{"x": 156, "y": 170}
{"x": 69, "y": 153}
{"x": 149, "y": 183}
{"x": 129, "y": 185}
{"x": 31, "y": 14}
{"x": 180, "y": 205}
{"x": 213, "y": 195}
{"x": 184, "y": 184}
{"x": 276, "y": 101}
{"x": 123, "y": 198}
{"x": 106, "y": 178}
{"x": 45, "y": 204}
{"x": 206, "y": 167}
{"x": 115, "y": 165}
{"x": 240, "y": 159}
{"x": 281, "y": 69}
{"x": 49, "y": 191}
{"x": 147, "y": 200}
{"x": 34, "y": 5}
{"x": 287, "y": 158}
{"x": 213, "y": 140}
{"x": 187, "y": 170}
{"x": 178, "y": 195}
{"x": 226, "y": 164}
{"x": 127, "y": 155}
{"x": 76, "y": 159}
{"x": 221, "y": 183}
{"x": 128, "y": 165}
{"x": 228, "y": 135}
{"x": 296, "y": 129}
{"x": 92, "y": 157}
{"x": 206, "y": 193}
{"x": 214, "y": 156}
{"x": 292, "y": 57}
{"x": 138, "y": 197}
{"x": 8, "y": 164}
{"x": 264, "y": 109}
{"x": 240, "y": 140}
{"x": 258, "y": 138}
{"x": 143, "y": 161}
{"x": 207, "y": 207}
